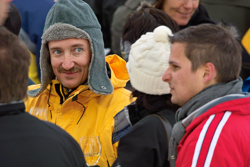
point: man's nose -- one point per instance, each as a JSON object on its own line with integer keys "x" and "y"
{"x": 167, "y": 75}
{"x": 68, "y": 62}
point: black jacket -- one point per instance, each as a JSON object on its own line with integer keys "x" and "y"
{"x": 200, "y": 17}
{"x": 104, "y": 10}
{"x": 146, "y": 144}
{"x": 26, "y": 141}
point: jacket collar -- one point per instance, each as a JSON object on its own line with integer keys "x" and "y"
{"x": 57, "y": 89}
{"x": 12, "y": 108}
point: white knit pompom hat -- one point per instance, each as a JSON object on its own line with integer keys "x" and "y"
{"x": 148, "y": 60}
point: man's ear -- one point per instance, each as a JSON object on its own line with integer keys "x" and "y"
{"x": 209, "y": 73}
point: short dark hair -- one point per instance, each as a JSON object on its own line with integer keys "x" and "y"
{"x": 14, "y": 66}
{"x": 13, "y": 21}
{"x": 217, "y": 44}
{"x": 146, "y": 20}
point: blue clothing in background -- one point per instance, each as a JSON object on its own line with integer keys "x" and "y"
{"x": 33, "y": 13}
{"x": 31, "y": 82}
{"x": 246, "y": 85}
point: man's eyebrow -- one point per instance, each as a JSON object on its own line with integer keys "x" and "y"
{"x": 172, "y": 62}
{"x": 55, "y": 48}
{"x": 78, "y": 45}
{"x": 75, "y": 45}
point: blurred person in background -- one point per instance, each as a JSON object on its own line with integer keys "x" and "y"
{"x": 144, "y": 19}
{"x": 33, "y": 14}
{"x": 225, "y": 10}
{"x": 246, "y": 45}
{"x": 184, "y": 12}
{"x": 118, "y": 22}
{"x": 104, "y": 11}
{"x": 13, "y": 21}
{"x": 13, "y": 24}
{"x": 4, "y": 9}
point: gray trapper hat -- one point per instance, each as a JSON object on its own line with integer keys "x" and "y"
{"x": 98, "y": 80}
{"x": 74, "y": 19}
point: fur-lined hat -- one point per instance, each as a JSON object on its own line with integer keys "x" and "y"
{"x": 74, "y": 19}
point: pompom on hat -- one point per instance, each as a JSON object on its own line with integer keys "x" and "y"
{"x": 148, "y": 60}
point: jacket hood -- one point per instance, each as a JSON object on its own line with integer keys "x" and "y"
{"x": 118, "y": 70}
{"x": 74, "y": 19}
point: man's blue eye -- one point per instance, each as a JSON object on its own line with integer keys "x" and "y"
{"x": 57, "y": 52}
{"x": 78, "y": 49}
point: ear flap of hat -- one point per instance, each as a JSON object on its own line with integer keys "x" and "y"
{"x": 47, "y": 74}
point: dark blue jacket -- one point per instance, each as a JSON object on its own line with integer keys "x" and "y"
{"x": 33, "y": 13}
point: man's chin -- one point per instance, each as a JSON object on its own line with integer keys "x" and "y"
{"x": 174, "y": 101}
{"x": 69, "y": 85}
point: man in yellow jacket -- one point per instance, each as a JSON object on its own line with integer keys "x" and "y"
{"x": 79, "y": 91}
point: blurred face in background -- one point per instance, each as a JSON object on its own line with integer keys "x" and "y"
{"x": 180, "y": 10}
{"x": 4, "y": 9}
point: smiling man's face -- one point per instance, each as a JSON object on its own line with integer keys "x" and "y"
{"x": 180, "y": 10}
{"x": 70, "y": 59}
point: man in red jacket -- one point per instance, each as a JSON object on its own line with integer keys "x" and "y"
{"x": 213, "y": 127}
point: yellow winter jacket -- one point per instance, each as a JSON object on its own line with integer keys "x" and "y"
{"x": 83, "y": 113}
